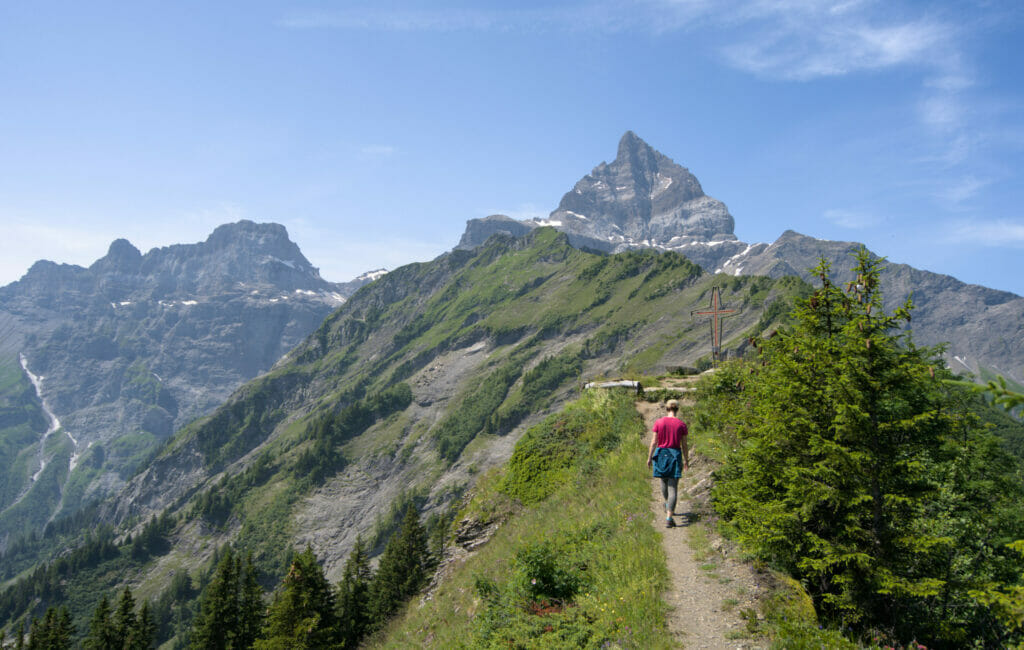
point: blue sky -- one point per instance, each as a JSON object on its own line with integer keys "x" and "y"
{"x": 373, "y": 131}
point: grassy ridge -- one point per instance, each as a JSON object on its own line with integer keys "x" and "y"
{"x": 590, "y": 537}
{"x": 544, "y": 315}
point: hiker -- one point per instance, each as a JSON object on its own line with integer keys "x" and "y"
{"x": 668, "y": 448}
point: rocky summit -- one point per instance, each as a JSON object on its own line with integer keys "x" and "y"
{"x": 124, "y": 352}
{"x": 640, "y": 199}
{"x": 643, "y": 199}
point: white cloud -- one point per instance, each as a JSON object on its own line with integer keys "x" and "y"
{"x": 943, "y": 111}
{"x": 782, "y": 39}
{"x": 809, "y": 42}
{"x": 851, "y": 219}
{"x": 998, "y": 233}
{"x": 964, "y": 188}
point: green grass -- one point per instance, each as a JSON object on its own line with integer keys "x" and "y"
{"x": 599, "y": 520}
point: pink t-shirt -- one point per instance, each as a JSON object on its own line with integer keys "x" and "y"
{"x": 671, "y": 431}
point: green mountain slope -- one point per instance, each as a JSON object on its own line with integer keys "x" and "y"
{"x": 578, "y": 566}
{"x": 419, "y": 383}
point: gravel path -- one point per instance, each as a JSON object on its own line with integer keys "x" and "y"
{"x": 711, "y": 591}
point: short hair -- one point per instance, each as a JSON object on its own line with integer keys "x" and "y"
{"x": 672, "y": 405}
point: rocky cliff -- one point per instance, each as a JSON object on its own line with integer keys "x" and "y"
{"x": 135, "y": 346}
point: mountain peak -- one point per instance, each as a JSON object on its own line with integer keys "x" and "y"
{"x": 642, "y": 198}
{"x": 122, "y": 256}
{"x": 630, "y": 144}
{"x": 262, "y": 234}
{"x": 123, "y": 248}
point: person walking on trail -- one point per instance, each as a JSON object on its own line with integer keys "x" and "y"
{"x": 669, "y": 456}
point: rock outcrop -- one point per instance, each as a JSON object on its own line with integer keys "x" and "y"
{"x": 135, "y": 346}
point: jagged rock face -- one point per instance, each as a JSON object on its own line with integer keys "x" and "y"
{"x": 135, "y": 346}
{"x": 642, "y": 197}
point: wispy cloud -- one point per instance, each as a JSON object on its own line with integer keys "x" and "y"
{"x": 999, "y": 233}
{"x": 799, "y": 41}
{"x": 964, "y": 189}
{"x": 851, "y": 219}
{"x": 782, "y": 39}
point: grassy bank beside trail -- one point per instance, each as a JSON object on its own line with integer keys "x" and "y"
{"x": 579, "y": 566}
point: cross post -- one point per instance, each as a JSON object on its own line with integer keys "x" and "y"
{"x": 716, "y": 313}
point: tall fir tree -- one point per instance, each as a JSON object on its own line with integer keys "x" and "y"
{"x": 101, "y": 634}
{"x": 65, "y": 629}
{"x": 250, "y": 603}
{"x": 53, "y": 632}
{"x": 125, "y": 622}
{"x": 143, "y": 635}
{"x": 353, "y": 596}
{"x": 402, "y": 570}
{"x": 216, "y": 624}
{"x": 39, "y": 633}
{"x": 36, "y": 639}
{"x": 302, "y": 614}
{"x": 843, "y": 467}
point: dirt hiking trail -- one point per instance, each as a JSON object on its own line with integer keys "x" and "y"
{"x": 712, "y": 595}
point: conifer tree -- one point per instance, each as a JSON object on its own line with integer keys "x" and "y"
{"x": 38, "y": 633}
{"x": 125, "y": 621}
{"x": 402, "y": 570}
{"x": 53, "y": 632}
{"x": 250, "y": 607}
{"x": 64, "y": 632}
{"x": 101, "y": 629}
{"x": 353, "y": 596}
{"x": 144, "y": 634}
{"x": 302, "y": 614}
{"x": 857, "y": 468}
{"x": 216, "y": 624}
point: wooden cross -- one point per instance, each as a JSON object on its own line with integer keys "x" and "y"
{"x": 716, "y": 313}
